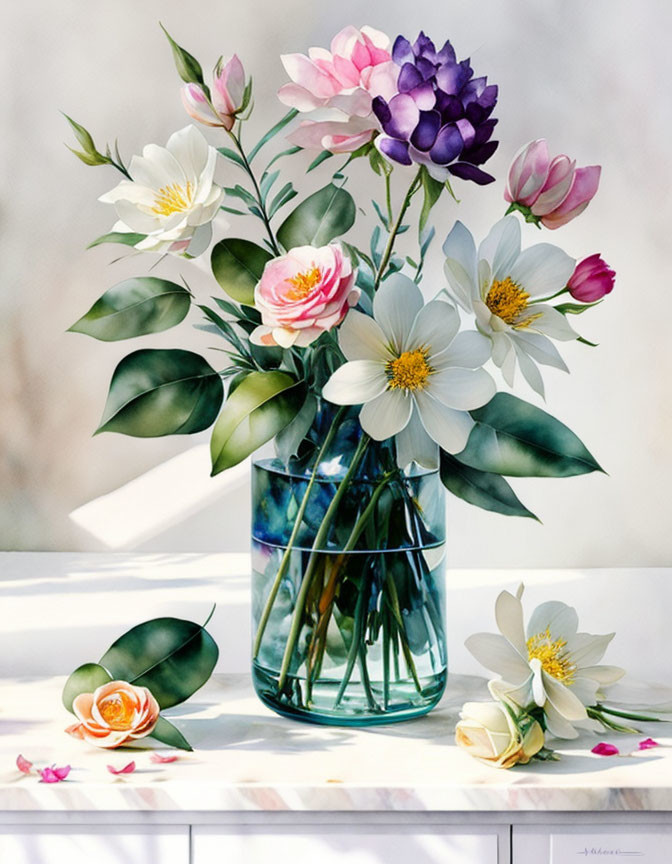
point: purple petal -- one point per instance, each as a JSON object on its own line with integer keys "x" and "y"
{"x": 488, "y": 97}
{"x": 451, "y": 79}
{"x": 472, "y": 90}
{"x": 470, "y": 172}
{"x": 424, "y": 47}
{"x": 467, "y": 131}
{"x": 381, "y": 109}
{"x": 424, "y": 96}
{"x": 424, "y": 134}
{"x": 450, "y": 106}
{"x": 484, "y": 131}
{"x": 404, "y": 116}
{"x": 448, "y": 145}
{"x": 475, "y": 114}
{"x": 397, "y": 150}
{"x": 409, "y": 77}
{"x": 426, "y": 68}
{"x": 402, "y": 51}
{"x": 446, "y": 54}
{"x": 480, "y": 154}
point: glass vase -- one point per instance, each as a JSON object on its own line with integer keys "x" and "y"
{"x": 348, "y": 581}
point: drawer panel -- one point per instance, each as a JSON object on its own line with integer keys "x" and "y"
{"x": 72, "y": 844}
{"x": 334, "y": 844}
{"x": 569, "y": 845}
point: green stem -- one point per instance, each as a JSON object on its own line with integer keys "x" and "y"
{"x": 320, "y": 537}
{"x": 396, "y": 612}
{"x": 388, "y": 198}
{"x": 564, "y": 290}
{"x": 412, "y": 189}
{"x": 628, "y": 715}
{"x": 264, "y": 215}
{"x": 357, "y": 634}
{"x": 292, "y": 540}
{"x": 366, "y": 681}
{"x": 386, "y": 657}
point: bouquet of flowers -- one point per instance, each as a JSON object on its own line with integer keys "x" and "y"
{"x": 367, "y": 372}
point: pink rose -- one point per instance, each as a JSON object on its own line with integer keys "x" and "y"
{"x": 302, "y": 294}
{"x": 228, "y": 86}
{"x": 114, "y": 714}
{"x": 554, "y": 190}
{"x": 340, "y": 84}
{"x": 591, "y": 280}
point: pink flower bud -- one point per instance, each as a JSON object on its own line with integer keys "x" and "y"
{"x": 591, "y": 280}
{"x": 226, "y": 96}
{"x": 554, "y": 190}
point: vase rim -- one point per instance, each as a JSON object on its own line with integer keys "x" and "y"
{"x": 273, "y": 465}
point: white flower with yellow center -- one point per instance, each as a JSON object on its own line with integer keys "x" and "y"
{"x": 414, "y": 374}
{"x": 172, "y": 198}
{"x": 551, "y": 665}
{"x": 503, "y": 288}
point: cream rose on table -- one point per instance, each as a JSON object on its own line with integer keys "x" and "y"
{"x": 172, "y": 198}
{"x": 303, "y": 294}
{"x": 114, "y": 714}
{"x": 487, "y": 731}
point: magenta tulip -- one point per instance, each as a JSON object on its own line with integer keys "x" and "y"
{"x": 550, "y": 191}
{"x": 591, "y": 280}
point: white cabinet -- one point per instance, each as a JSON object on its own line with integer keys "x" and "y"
{"x": 645, "y": 844}
{"x": 110, "y": 844}
{"x": 356, "y": 844}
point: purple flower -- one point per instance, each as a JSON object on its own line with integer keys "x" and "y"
{"x": 440, "y": 115}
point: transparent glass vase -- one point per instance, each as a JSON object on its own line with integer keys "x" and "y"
{"x": 348, "y": 581}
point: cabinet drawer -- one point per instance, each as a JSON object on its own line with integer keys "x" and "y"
{"x": 360, "y": 844}
{"x": 74, "y": 844}
{"x": 645, "y": 844}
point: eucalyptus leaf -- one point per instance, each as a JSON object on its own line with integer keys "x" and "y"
{"x": 517, "y": 439}
{"x": 260, "y": 407}
{"x": 85, "y": 679}
{"x": 157, "y": 392}
{"x": 238, "y": 265}
{"x": 480, "y": 488}
{"x": 272, "y": 132}
{"x": 166, "y": 733}
{"x": 323, "y": 216}
{"x": 135, "y": 307}
{"x": 173, "y": 658}
{"x": 126, "y": 238}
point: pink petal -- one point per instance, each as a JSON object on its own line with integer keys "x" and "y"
{"x": 127, "y": 769}
{"x": 54, "y": 774}
{"x": 647, "y": 744}
{"x": 24, "y": 766}
{"x": 158, "y": 759}
{"x": 603, "y": 749}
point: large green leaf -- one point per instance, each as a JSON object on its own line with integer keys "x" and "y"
{"x": 126, "y": 238}
{"x": 488, "y": 491}
{"x": 84, "y": 679}
{"x": 237, "y": 265}
{"x": 166, "y": 733}
{"x": 322, "y": 217}
{"x": 135, "y": 307}
{"x": 169, "y": 656}
{"x": 157, "y": 392}
{"x": 514, "y": 438}
{"x": 287, "y": 441}
{"x": 260, "y": 406}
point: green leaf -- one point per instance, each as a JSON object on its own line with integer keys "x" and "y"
{"x": 231, "y": 155}
{"x": 173, "y": 658}
{"x": 262, "y": 405}
{"x": 89, "y": 154}
{"x": 166, "y": 733}
{"x": 319, "y": 159}
{"x": 135, "y": 307}
{"x": 188, "y": 67}
{"x": 237, "y": 265}
{"x": 488, "y": 491}
{"x": 287, "y": 441}
{"x": 514, "y": 438}
{"x": 575, "y": 308}
{"x": 586, "y": 342}
{"x": 157, "y": 392}
{"x": 322, "y": 217}
{"x": 279, "y": 126}
{"x": 288, "y": 152}
{"x": 85, "y": 679}
{"x": 127, "y": 238}
{"x": 283, "y": 197}
{"x": 432, "y": 190}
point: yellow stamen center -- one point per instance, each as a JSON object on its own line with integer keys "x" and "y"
{"x": 506, "y": 300}
{"x": 304, "y": 283}
{"x": 117, "y": 710}
{"x": 409, "y": 371}
{"x": 172, "y": 199}
{"x": 552, "y": 656}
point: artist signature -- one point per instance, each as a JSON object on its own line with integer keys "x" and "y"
{"x": 599, "y": 850}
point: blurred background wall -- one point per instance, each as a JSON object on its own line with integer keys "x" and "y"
{"x": 592, "y": 76}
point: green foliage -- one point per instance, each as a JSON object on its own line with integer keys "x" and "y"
{"x": 85, "y": 679}
{"x": 323, "y": 216}
{"x": 166, "y": 733}
{"x": 157, "y": 392}
{"x": 287, "y": 441}
{"x": 126, "y": 238}
{"x": 480, "y": 488}
{"x": 237, "y": 266}
{"x": 89, "y": 155}
{"x": 432, "y": 190}
{"x": 188, "y": 67}
{"x": 272, "y": 132}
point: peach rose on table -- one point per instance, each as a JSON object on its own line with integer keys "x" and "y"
{"x": 303, "y": 294}
{"x": 114, "y": 714}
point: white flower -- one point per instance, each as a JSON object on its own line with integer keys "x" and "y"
{"x": 552, "y": 666}
{"x": 487, "y": 731}
{"x": 501, "y": 286}
{"x": 172, "y": 198}
{"x": 416, "y": 376}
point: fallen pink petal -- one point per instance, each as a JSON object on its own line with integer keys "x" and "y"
{"x": 604, "y": 749}
{"x": 647, "y": 744}
{"x": 158, "y": 759}
{"x": 127, "y": 769}
{"x": 54, "y": 774}
{"x": 24, "y": 766}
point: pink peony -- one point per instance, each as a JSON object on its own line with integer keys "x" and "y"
{"x": 591, "y": 280}
{"x": 228, "y": 86}
{"x": 554, "y": 190}
{"x": 302, "y": 294}
{"x": 341, "y": 85}
{"x": 114, "y": 714}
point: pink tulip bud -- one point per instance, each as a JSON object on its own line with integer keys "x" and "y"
{"x": 550, "y": 191}
{"x": 226, "y": 96}
{"x": 591, "y": 280}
